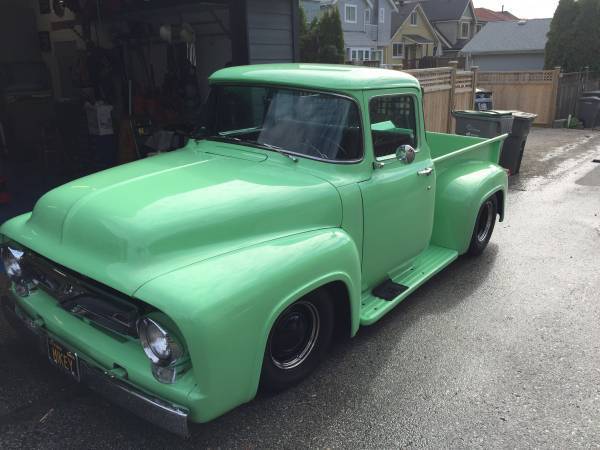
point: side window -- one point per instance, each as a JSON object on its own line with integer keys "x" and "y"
{"x": 393, "y": 123}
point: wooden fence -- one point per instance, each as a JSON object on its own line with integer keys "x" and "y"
{"x": 446, "y": 89}
{"x": 534, "y": 92}
{"x": 548, "y": 93}
{"x": 568, "y": 92}
{"x": 570, "y": 87}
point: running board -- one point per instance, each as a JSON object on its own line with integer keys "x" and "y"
{"x": 425, "y": 266}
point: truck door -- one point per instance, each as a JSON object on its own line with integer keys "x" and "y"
{"x": 398, "y": 200}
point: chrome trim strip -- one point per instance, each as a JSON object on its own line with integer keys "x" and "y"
{"x": 161, "y": 413}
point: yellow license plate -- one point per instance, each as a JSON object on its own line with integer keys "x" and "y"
{"x": 64, "y": 359}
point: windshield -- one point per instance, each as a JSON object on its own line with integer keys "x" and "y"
{"x": 302, "y": 123}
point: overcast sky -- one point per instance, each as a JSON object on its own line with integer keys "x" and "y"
{"x": 526, "y": 9}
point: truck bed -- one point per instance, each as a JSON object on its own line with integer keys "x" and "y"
{"x": 451, "y": 147}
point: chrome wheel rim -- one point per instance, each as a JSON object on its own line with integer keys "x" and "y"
{"x": 485, "y": 221}
{"x": 294, "y": 335}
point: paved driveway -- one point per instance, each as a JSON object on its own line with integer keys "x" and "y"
{"x": 500, "y": 351}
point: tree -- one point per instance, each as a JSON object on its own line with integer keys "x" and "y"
{"x": 331, "y": 38}
{"x": 309, "y": 43}
{"x": 574, "y": 37}
{"x": 587, "y": 35}
{"x": 322, "y": 41}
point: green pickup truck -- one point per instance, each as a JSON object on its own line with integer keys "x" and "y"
{"x": 312, "y": 201}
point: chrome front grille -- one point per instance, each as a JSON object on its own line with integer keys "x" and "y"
{"x": 83, "y": 297}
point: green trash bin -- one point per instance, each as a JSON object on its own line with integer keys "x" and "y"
{"x": 485, "y": 124}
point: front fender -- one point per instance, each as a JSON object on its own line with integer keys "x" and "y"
{"x": 460, "y": 192}
{"x": 225, "y": 307}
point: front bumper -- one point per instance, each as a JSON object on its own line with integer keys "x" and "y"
{"x": 173, "y": 418}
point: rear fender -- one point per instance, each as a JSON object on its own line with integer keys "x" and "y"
{"x": 460, "y": 192}
{"x": 225, "y": 306}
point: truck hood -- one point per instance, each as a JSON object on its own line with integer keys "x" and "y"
{"x": 128, "y": 225}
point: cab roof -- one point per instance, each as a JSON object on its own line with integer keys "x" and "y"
{"x": 316, "y": 76}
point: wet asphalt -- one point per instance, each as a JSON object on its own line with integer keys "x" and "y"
{"x": 499, "y": 351}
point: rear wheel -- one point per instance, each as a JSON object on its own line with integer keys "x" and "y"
{"x": 297, "y": 342}
{"x": 484, "y": 226}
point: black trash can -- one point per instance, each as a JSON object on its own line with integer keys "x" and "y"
{"x": 485, "y": 124}
{"x": 588, "y": 111}
{"x": 483, "y": 100}
{"x": 514, "y": 145}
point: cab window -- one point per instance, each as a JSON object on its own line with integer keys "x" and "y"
{"x": 393, "y": 123}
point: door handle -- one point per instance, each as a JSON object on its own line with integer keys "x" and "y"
{"x": 425, "y": 172}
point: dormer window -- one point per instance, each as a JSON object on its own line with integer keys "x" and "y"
{"x": 465, "y": 30}
{"x": 414, "y": 19}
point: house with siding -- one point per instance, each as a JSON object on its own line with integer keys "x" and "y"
{"x": 509, "y": 46}
{"x": 454, "y": 21}
{"x": 367, "y": 25}
{"x": 413, "y": 37}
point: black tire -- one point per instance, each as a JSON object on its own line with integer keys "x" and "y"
{"x": 484, "y": 226}
{"x": 298, "y": 341}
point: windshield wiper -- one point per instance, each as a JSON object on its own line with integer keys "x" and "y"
{"x": 224, "y": 138}
{"x": 238, "y": 140}
{"x": 279, "y": 150}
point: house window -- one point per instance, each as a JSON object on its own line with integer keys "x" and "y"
{"x": 479, "y": 27}
{"x": 414, "y": 19}
{"x": 350, "y": 13}
{"x": 367, "y": 16}
{"x": 465, "y": 30}
{"x": 398, "y": 50}
{"x": 381, "y": 15}
{"x": 360, "y": 54}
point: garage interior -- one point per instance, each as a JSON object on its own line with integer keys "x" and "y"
{"x": 90, "y": 84}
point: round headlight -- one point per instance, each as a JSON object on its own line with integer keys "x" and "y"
{"x": 157, "y": 343}
{"x": 11, "y": 258}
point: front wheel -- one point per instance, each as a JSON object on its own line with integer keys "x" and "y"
{"x": 484, "y": 226}
{"x": 297, "y": 342}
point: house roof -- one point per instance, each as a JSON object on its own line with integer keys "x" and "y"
{"x": 316, "y": 76}
{"x": 525, "y": 36}
{"x": 510, "y": 15}
{"x": 404, "y": 11}
{"x": 487, "y": 15}
{"x": 400, "y": 17}
{"x": 440, "y": 10}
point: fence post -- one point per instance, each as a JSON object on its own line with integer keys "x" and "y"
{"x": 453, "y": 66}
{"x": 586, "y": 78}
{"x": 555, "y": 85}
{"x": 475, "y": 70}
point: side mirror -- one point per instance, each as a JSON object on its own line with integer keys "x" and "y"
{"x": 200, "y": 133}
{"x": 406, "y": 154}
